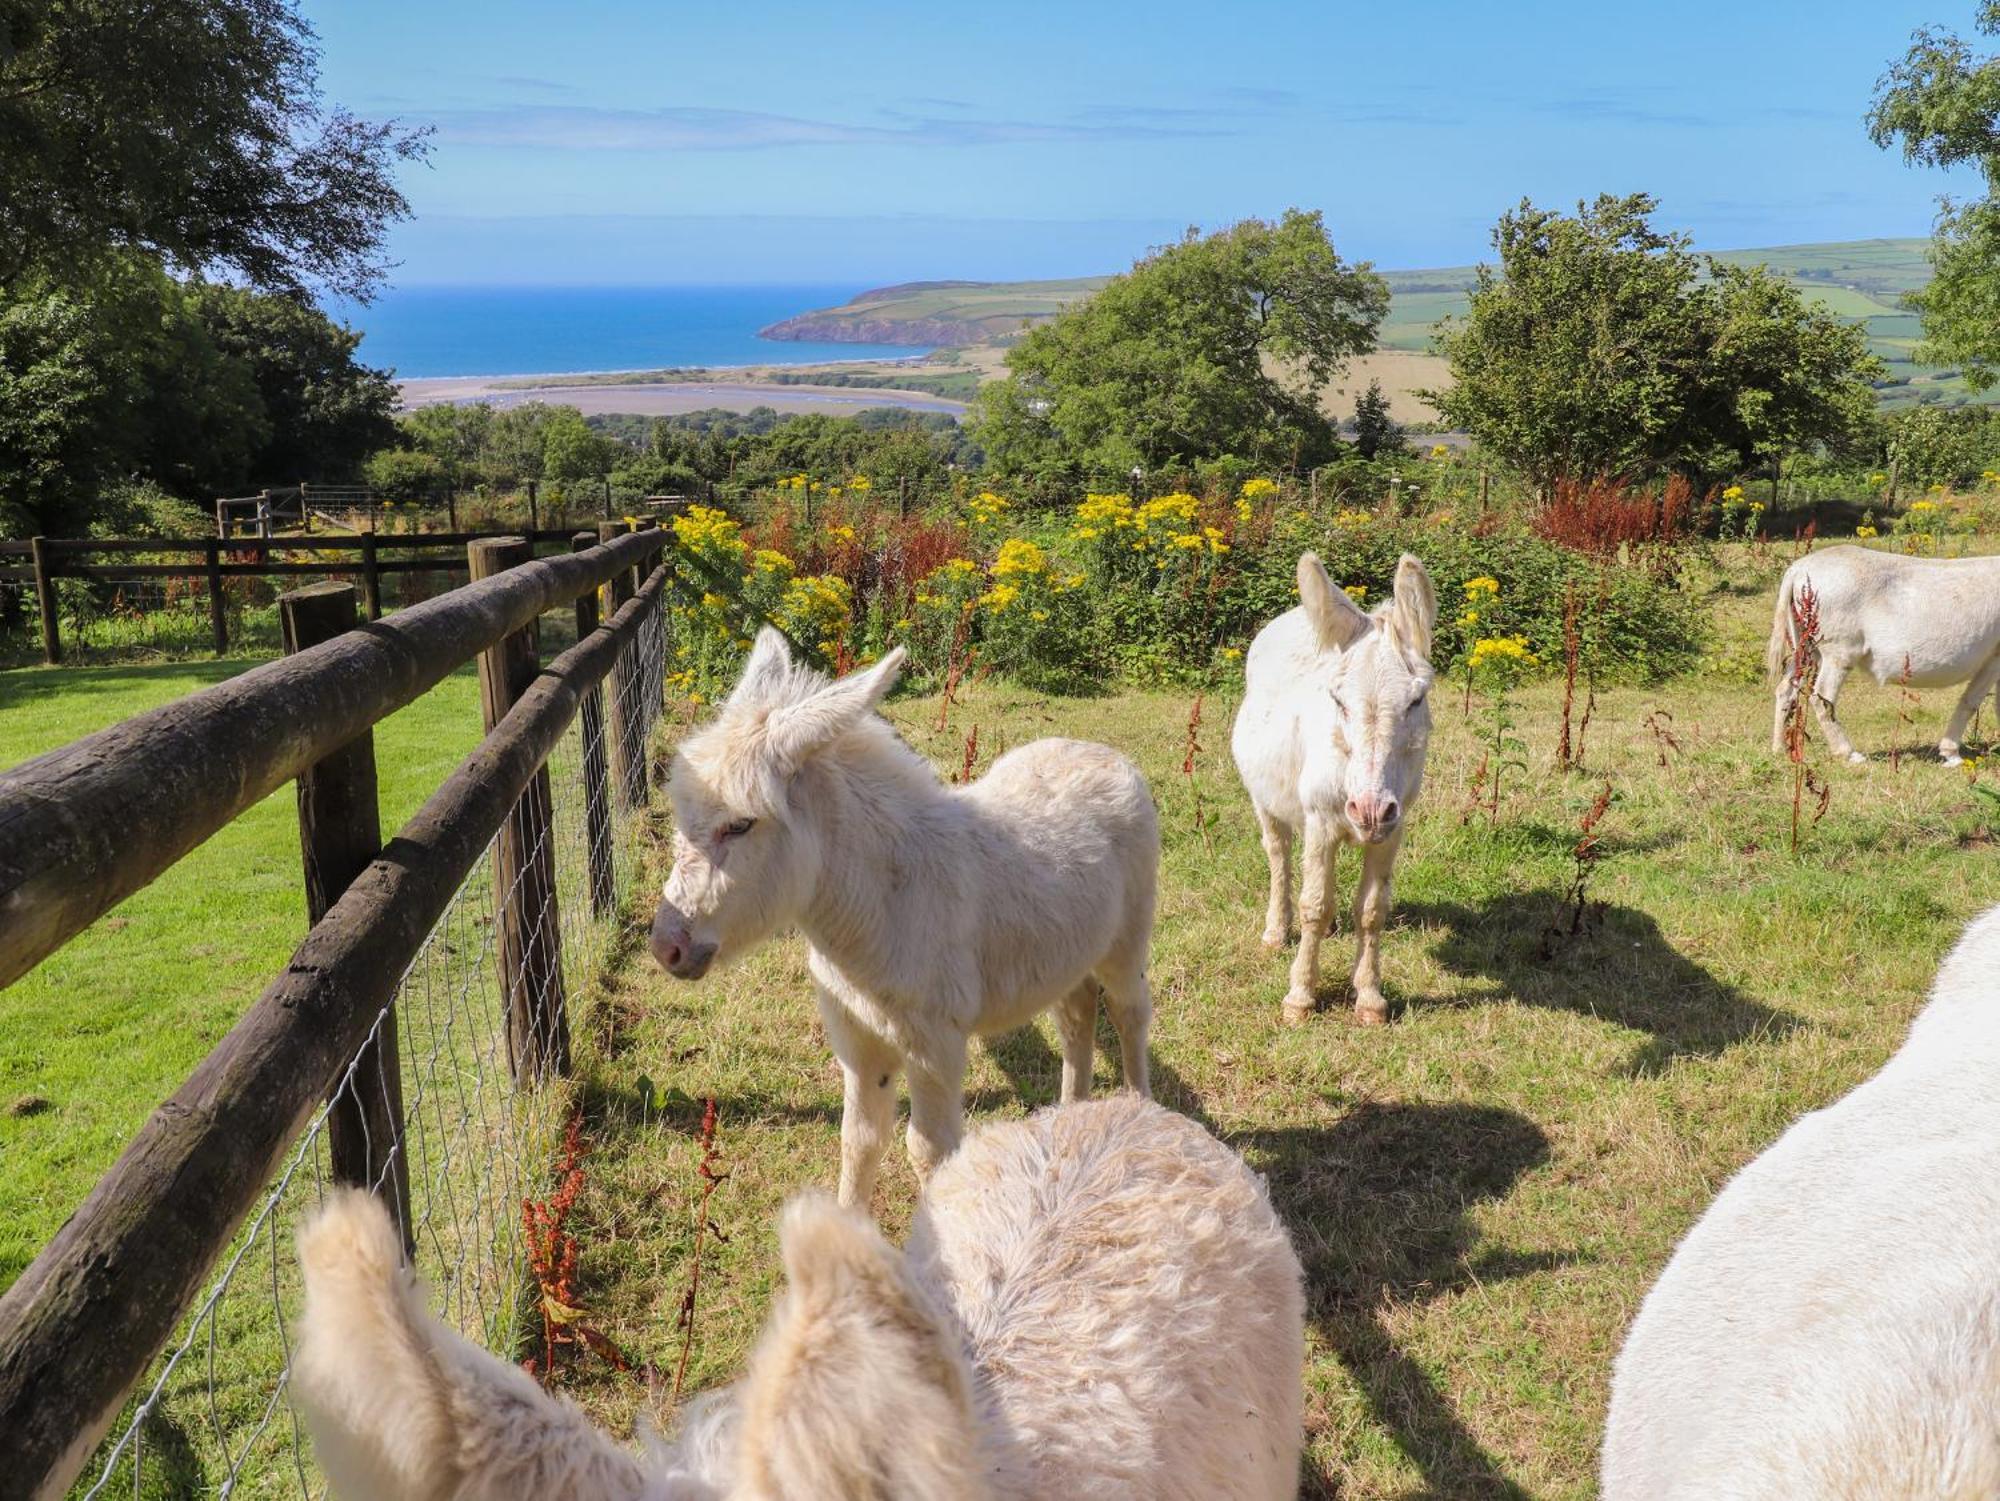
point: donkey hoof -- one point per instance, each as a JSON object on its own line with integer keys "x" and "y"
{"x": 1274, "y": 938}
{"x": 1950, "y": 758}
{"x": 1373, "y": 1013}
{"x": 1297, "y": 1009}
{"x": 1855, "y": 758}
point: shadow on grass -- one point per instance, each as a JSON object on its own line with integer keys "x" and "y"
{"x": 1624, "y": 971}
{"x": 25, "y": 684}
{"x": 1034, "y": 1070}
{"x": 1377, "y": 1205}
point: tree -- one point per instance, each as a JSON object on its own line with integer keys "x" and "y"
{"x": 1775, "y": 374}
{"x": 1941, "y": 103}
{"x": 190, "y": 131}
{"x": 571, "y": 451}
{"x": 405, "y": 474}
{"x": 325, "y": 410}
{"x": 1216, "y": 345}
{"x": 122, "y": 383}
{"x": 1602, "y": 347}
{"x": 1375, "y": 431}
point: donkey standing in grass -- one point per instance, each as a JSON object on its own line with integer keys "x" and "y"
{"x": 1330, "y": 744}
{"x": 1831, "y": 1326}
{"x": 1098, "y": 1302}
{"x": 1936, "y": 619}
{"x": 934, "y": 913}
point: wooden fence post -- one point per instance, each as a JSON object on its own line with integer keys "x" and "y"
{"x": 45, "y": 601}
{"x": 626, "y": 723}
{"x": 340, "y": 832}
{"x": 218, "y": 616}
{"x": 371, "y": 575}
{"x": 524, "y": 865}
{"x": 596, "y": 785}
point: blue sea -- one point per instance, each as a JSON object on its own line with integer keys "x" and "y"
{"x": 431, "y": 331}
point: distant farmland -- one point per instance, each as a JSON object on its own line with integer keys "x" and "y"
{"x": 1864, "y": 280}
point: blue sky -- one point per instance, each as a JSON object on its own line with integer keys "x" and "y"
{"x": 639, "y": 142}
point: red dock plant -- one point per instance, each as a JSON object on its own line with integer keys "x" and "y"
{"x": 711, "y": 1174}
{"x": 1201, "y": 819}
{"x": 1598, "y": 516}
{"x": 552, "y": 1259}
{"x": 1805, "y": 682}
{"x": 1578, "y": 914}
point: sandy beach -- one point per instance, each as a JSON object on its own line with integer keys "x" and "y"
{"x": 667, "y": 398}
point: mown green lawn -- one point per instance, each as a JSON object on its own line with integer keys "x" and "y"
{"x": 1482, "y": 1191}
{"x": 108, "y": 1027}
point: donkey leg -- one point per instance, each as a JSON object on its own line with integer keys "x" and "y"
{"x": 1826, "y": 691}
{"x": 1277, "y": 837}
{"x": 1076, "y": 1019}
{"x": 937, "y": 1110}
{"x": 1371, "y": 911}
{"x": 1313, "y": 909}
{"x": 1129, "y": 999}
{"x": 868, "y": 1068}
{"x": 1983, "y": 681}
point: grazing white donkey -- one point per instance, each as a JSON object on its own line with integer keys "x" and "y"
{"x": 1879, "y": 611}
{"x": 1831, "y": 1327}
{"x": 1096, "y": 1302}
{"x": 1330, "y": 744}
{"x": 934, "y": 913}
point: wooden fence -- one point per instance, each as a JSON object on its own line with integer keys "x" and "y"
{"x": 210, "y": 560}
{"x": 312, "y": 1068}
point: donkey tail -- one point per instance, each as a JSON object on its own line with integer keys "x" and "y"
{"x": 1777, "y": 655}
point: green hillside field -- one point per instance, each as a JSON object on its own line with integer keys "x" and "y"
{"x": 1864, "y": 280}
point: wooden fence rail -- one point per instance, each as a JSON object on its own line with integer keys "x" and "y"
{"x": 83, "y": 826}
{"x": 213, "y": 560}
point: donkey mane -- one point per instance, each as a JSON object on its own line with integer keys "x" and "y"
{"x": 730, "y": 754}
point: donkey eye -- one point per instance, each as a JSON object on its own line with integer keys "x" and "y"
{"x": 738, "y": 829}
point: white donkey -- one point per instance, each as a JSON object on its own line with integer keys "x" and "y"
{"x": 1939, "y": 618}
{"x": 1330, "y": 744}
{"x": 1831, "y": 1326}
{"x": 1097, "y": 1301}
{"x": 934, "y": 913}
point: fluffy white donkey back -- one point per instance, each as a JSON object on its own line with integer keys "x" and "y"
{"x": 1831, "y": 1326}
{"x": 1097, "y": 1301}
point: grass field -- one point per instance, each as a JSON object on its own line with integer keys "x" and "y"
{"x": 106, "y": 1028}
{"x": 1481, "y": 1192}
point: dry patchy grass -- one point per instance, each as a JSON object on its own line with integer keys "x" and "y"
{"x": 1482, "y": 1191}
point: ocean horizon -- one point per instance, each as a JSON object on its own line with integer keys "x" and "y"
{"x": 431, "y": 332}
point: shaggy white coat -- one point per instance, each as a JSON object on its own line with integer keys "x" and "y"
{"x": 1330, "y": 744}
{"x": 1096, "y": 1302}
{"x": 1830, "y": 1328}
{"x": 1879, "y": 611}
{"x": 934, "y": 913}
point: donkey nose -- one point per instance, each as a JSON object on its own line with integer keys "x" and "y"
{"x": 670, "y": 939}
{"x": 1374, "y": 814}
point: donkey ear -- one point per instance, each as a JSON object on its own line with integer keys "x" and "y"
{"x": 811, "y": 1424}
{"x": 1413, "y": 615}
{"x": 804, "y": 728}
{"x": 770, "y": 663}
{"x": 1336, "y": 619}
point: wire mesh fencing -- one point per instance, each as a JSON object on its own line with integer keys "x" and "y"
{"x": 212, "y": 1417}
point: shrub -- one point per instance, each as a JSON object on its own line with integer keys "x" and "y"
{"x": 404, "y": 474}
{"x": 1165, "y": 589}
